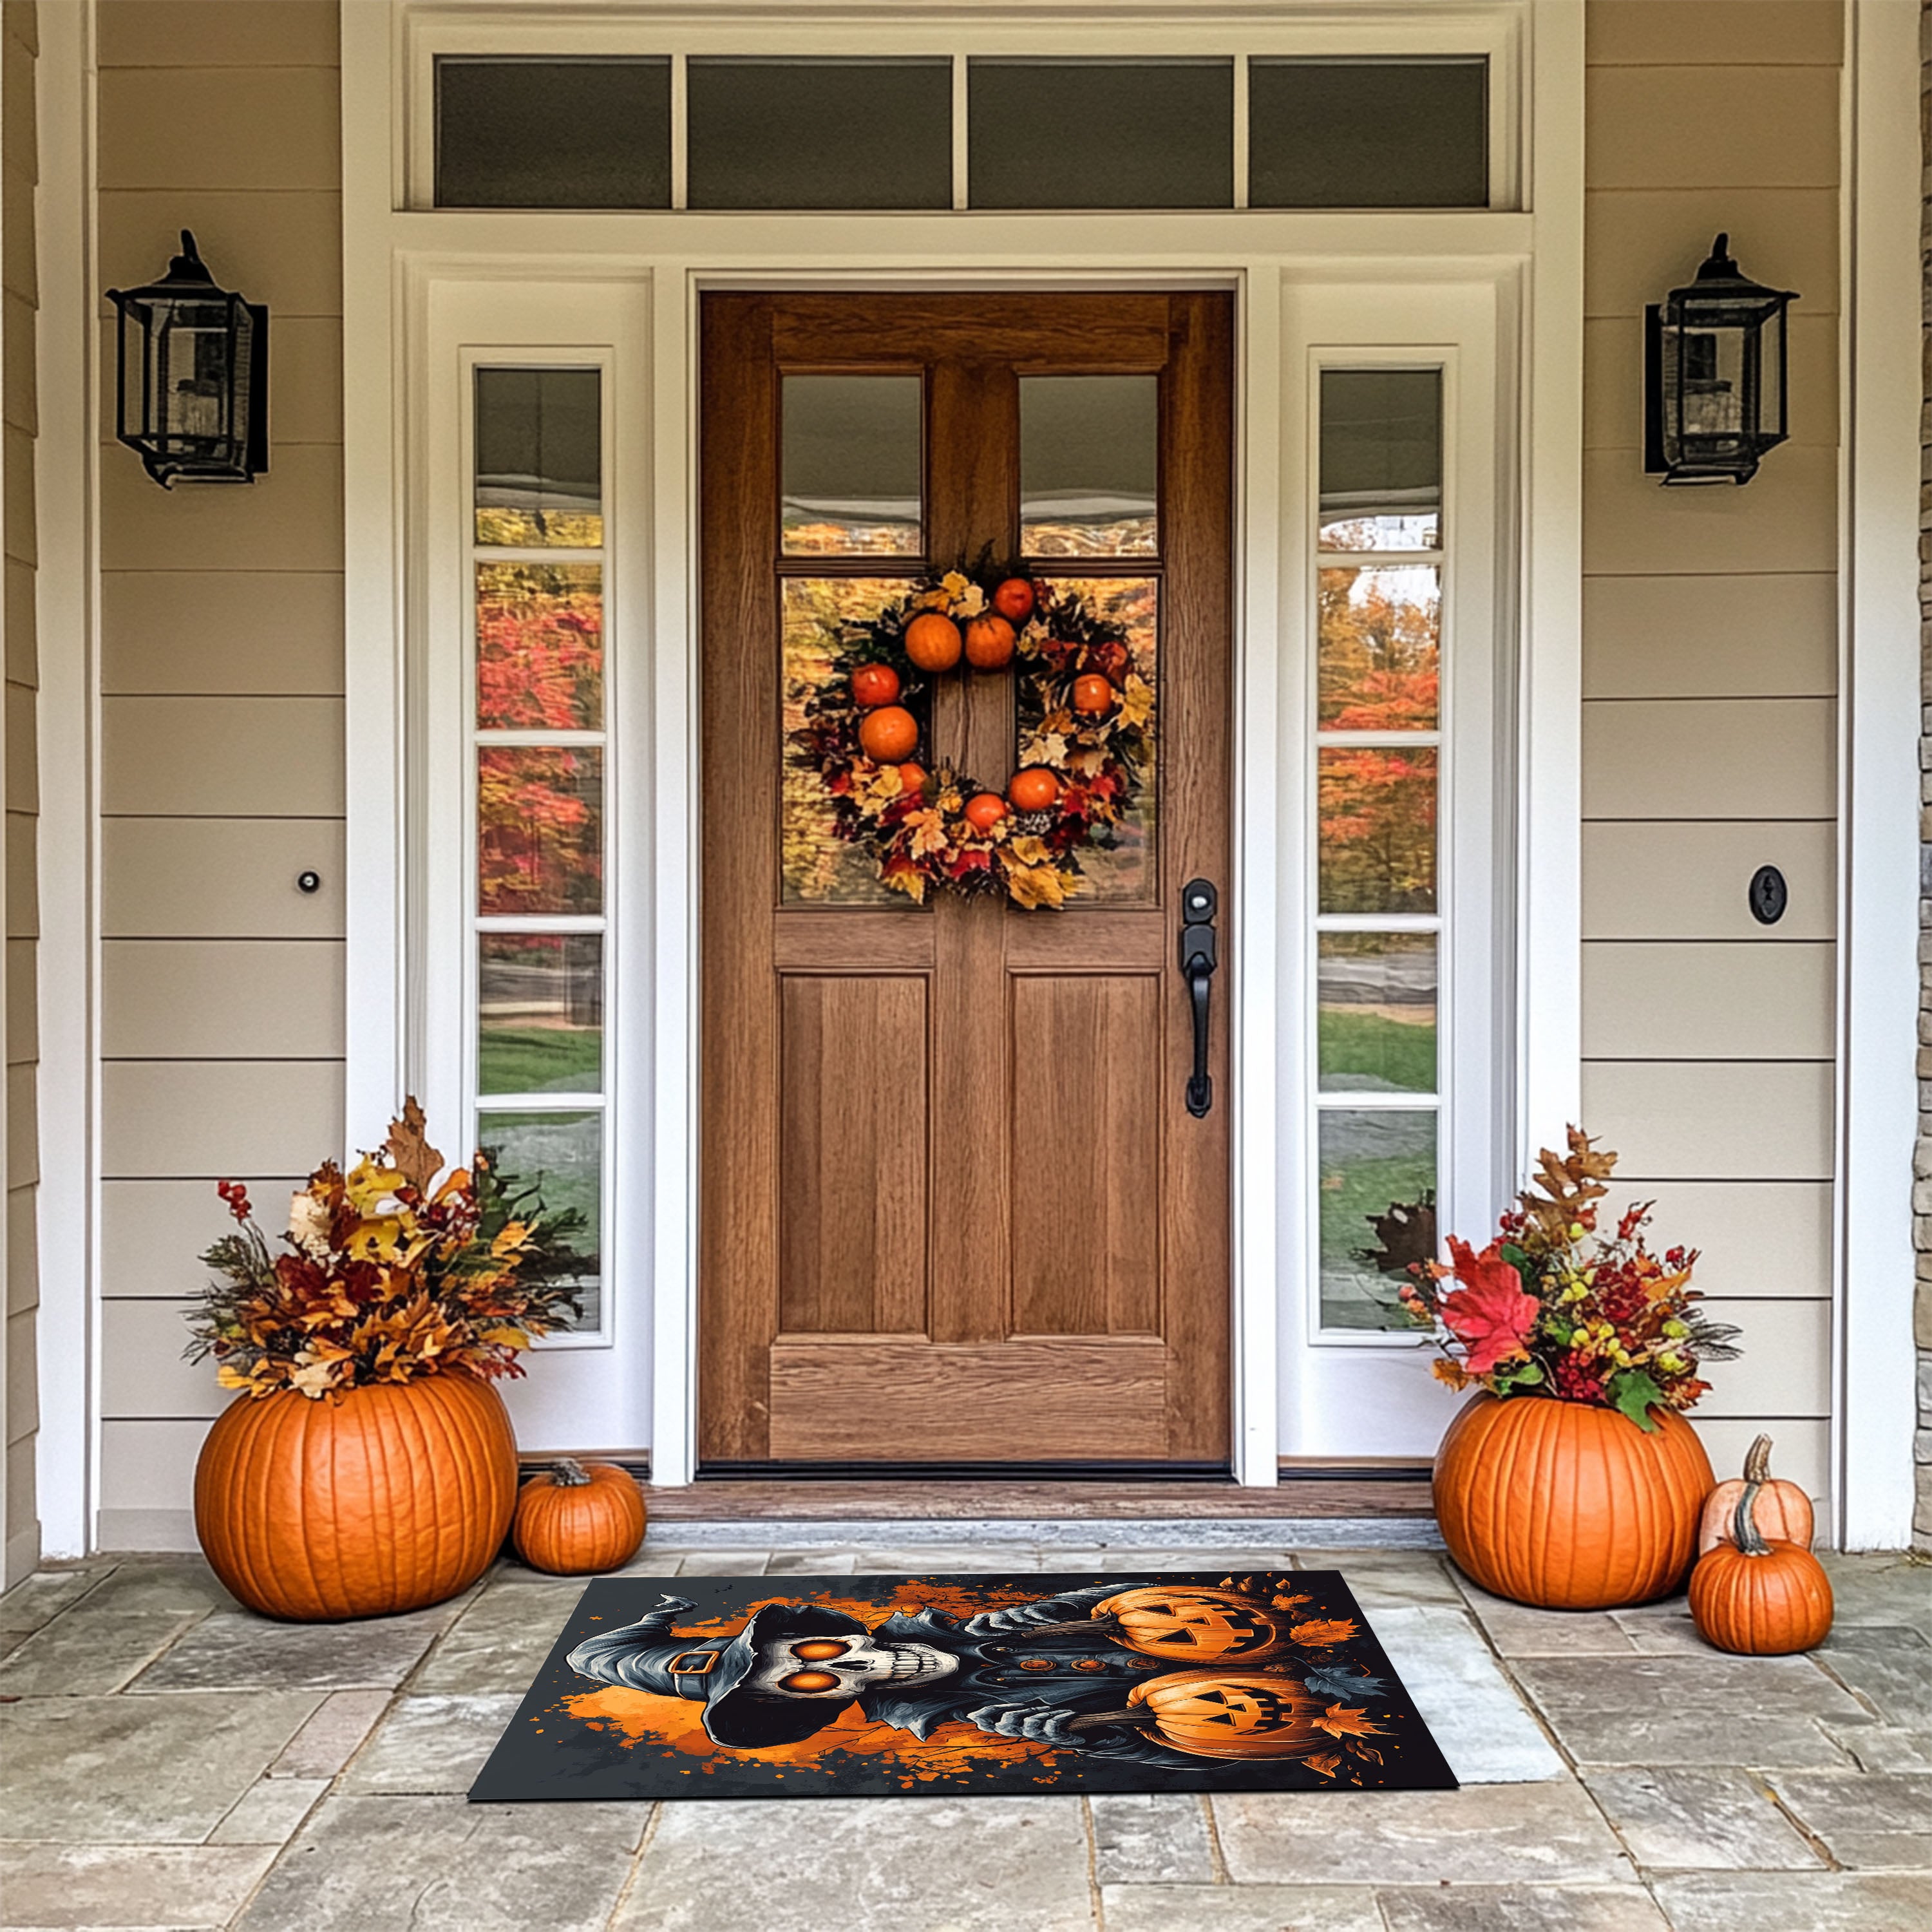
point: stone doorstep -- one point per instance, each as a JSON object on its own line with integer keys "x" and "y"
{"x": 1201, "y": 1533}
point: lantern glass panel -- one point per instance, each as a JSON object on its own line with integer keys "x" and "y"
{"x": 193, "y": 347}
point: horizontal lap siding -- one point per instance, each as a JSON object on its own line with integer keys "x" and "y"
{"x": 222, "y": 762}
{"x": 19, "y": 290}
{"x": 1710, "y": 685}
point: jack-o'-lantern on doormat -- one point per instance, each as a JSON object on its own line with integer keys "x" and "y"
{"x": 871, "y": 1686}
{"x": 1084, "y": 709}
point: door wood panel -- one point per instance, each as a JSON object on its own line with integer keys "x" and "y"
{"x": 954, "y": 1207}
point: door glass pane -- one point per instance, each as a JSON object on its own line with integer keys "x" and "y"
{"x": 851, "y": 465}
{"x": 539, "y": 829}
{"x": 1101, "y": 133}
{"x": 1376, "y": 806}
{"x": 1121, "y": 864}
{"x": 562, "y": 1155}
{"x": 816, "y": 866}
{"x": 539, "y": 646}
{"x": 1375, "y": 1027}
{"x": 1378, "y": 133}
{"x": 539, "y": 479}
{"x": 540, "y": 1013}
{"x": 1378, "y": 1195}
{"x": 1090, "y": 465}
{"x": 821, "y": 133}
{"x": 1379, "y": 632}
{"x": 552, "y": 133}
{"x": 1381, "y": 459}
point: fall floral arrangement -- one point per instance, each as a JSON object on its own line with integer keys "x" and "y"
{"x": 385, "y": 1275}
{"x": 1086, "y": 717}
{"x": 1552, "y": 1307}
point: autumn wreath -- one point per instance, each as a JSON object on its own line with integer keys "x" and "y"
{"x": 1086, "y": 737}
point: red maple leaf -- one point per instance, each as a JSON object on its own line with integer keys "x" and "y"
{"x": 1488, "y": 1312}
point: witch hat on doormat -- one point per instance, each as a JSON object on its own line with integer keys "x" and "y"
{"x": 715, "y": 1669}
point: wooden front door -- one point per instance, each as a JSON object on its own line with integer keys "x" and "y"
{"x": 955, "y": 1207}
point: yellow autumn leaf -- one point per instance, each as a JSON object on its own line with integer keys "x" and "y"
{"x": 1031, "y": 850}
{"x": 507, "y": 1337}
{"x": 1137, "y": 702}
{"x": 912, "y": 884}
{"x": 1035, "y": 886}
{"x": 1043, "y": 748}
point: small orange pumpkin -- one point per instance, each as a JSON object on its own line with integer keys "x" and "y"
{"x": 1758, "y": 1597}
{"x": 1781, "y": 1510}
{"x": 1232, "y": 1713}
{"x": 1568, "y": 1506}
{"x": 383, "y": 1498}
{"x": 1193, "y": 1623}
{"x": 577, "y": 1517}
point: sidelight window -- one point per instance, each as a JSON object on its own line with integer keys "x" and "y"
{"x": 540, "y": 910}
{"x": 1380, "y": 559}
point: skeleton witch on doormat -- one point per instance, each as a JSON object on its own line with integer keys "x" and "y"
{"x": 1258, "y": 1681}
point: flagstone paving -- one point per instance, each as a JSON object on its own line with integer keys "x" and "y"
{"x": 169, "y": 1761}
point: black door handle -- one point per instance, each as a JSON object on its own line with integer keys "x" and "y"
{"x": 1198, "y": 901}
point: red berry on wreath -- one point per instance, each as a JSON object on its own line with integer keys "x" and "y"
{"x": 873, "y": 684}
{"x": 889, "y": 734}
{"x": 1033, "y": 790}
{"x": 912, "y": 778}
{"x": 1014, "y": 600}
{"x": 984, "y": 810}
{"x": 989, "y": 643}
{"x": 1093, "y": 695}
{"x": 932, "y": 641}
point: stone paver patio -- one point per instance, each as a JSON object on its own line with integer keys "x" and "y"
{"x": 171, "y": 1761}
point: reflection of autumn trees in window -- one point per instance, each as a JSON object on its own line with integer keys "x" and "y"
{"x": 539, "y": 646}
{"x": 1377, "y": 809}
{"x": 540, "y": 822}
{"x": 1379, "y": 632}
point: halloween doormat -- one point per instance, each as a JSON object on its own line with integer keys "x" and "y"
{"x": 809, "y": 1686}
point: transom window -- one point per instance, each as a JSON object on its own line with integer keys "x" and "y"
{"x": 934, "y": 131}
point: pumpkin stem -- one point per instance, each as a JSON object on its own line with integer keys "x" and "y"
{"x": 567, "y": 1473}
{"x": 1085, "y": 1626}
{"x": 1757, "y": 1461}
{"x": 1092, "y": 1720}
{"x": 1744, "y": 1525}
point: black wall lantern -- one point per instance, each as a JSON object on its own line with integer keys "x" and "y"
{"x": 1713, "y": 375}
{"x": 193, "y": 371}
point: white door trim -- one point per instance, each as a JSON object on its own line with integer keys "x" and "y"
{"x": 1875, "y": 1371}
{"x": 388, "y": 252}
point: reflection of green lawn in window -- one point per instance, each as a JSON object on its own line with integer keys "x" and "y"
{"x": 540, "y": 1059}
{"x": 1353, "y": 1294}
{"x": 1367, "y": 1047}
{"x": 562, "y": 1152}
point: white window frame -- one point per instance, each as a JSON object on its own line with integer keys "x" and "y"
{"x": 1351, "y": 1397}
{"x": 399, "y": 263}
{"x": 1497, "y": 31}
{"x": 493, "y": 320}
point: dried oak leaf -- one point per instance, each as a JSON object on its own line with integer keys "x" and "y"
{"x": 1406, "y": 1234}
{"x": 1563, "y": 1185}
{"x": 409, "y": 1154}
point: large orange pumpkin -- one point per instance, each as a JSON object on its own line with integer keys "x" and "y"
{"x": 1232, "y": 1713}
{"x": 1568, "y": 1506}
{"x": 577, "y": 1517}
{"x": 1758, "y": 1596}
{"x": 1781, "y": 1510}
{"x": 1191, "y": 1623}
{"x": 387, "y": 1499}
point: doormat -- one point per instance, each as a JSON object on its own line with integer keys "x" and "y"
{"x": 810, "y": 1686}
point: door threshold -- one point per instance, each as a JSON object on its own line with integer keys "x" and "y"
{"x": 1354, "y": 1493}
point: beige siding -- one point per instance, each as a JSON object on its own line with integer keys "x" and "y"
{"x": 1710, "y": 683}
{"x": 19, "y": 289}
{"x": 221, "y": 716}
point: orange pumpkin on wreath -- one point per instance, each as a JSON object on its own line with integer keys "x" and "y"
{"x": 1084, "y": 757}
